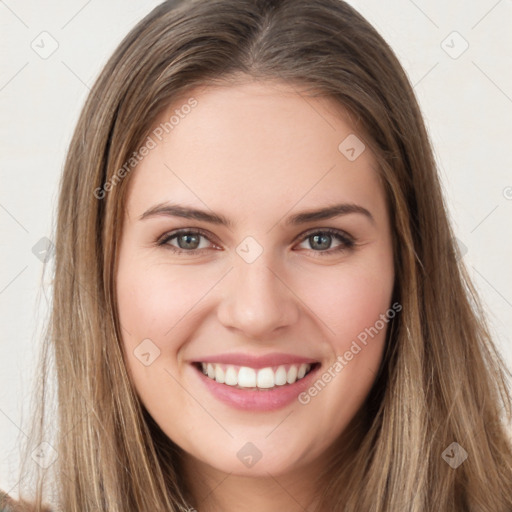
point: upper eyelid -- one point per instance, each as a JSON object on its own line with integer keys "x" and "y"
{"x": 311, "y": 231}
{"x": 172, "y": 234}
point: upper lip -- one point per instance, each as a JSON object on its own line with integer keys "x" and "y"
{"x": 264, "y": 361}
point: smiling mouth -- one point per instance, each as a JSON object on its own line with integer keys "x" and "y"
{"x": 247, "y": 378}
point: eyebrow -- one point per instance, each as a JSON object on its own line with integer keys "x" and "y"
{"x": 330, "y": 212}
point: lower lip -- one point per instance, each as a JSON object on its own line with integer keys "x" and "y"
{"x": 258, "y": 400}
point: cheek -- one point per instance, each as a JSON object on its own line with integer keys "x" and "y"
{"x": 350, "y": 301}
{"x": 357, "y": 310}
{"x": 153, "y": 300}
{"x": 156, "y": 303}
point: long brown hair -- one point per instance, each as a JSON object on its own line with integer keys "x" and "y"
{"x": 442, "y": 380}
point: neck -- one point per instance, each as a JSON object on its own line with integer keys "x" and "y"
{"x": 299, "y": 490}
{"x": 215, "y": 491}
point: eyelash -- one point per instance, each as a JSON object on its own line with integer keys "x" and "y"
{"x": 348, "y": 242}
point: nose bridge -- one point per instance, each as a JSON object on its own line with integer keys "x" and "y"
{"x": 256, "y": 300}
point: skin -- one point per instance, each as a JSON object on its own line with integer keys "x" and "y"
{"x": 256, "y": 153}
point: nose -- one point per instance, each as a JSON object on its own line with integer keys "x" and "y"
{"x": 257, "y": 301}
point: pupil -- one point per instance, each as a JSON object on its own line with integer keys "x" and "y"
{"x": 186, "y": 239}
{"x": 326, "y": 240}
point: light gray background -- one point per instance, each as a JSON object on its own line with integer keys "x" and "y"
{"x": 466, "y": 101}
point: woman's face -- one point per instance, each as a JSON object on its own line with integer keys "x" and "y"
{"x": 256, "y": 285}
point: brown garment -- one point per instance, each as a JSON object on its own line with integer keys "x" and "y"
{"x": 8, "y": 504}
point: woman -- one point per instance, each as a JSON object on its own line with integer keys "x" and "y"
{"x": 258, "y": 301}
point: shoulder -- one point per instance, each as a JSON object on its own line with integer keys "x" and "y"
{"x": 8, "y": 504}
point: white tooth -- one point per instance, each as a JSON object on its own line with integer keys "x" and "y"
{"x": 280, "y": 376}
{"x": 231, "y": 377}
{"x": 219, "y": 374}
{"x": 291, "y": 377}
{"x": 265, "y": 378}
{"x": 302, "y": 371}
{"x": 246, "y": 377}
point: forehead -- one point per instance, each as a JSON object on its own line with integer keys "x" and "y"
{"x": 256, "y": 147}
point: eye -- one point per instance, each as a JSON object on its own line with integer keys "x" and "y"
{"x": 320, "y": 241}
{"x": 188, "y": 241}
